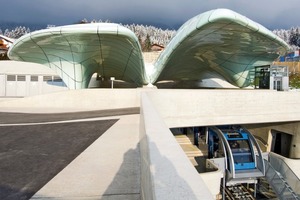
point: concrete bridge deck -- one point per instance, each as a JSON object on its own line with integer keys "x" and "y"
{"x": 160, "y": 110}
{"x": 83, "y": 155}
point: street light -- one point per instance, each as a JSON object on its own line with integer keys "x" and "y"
{"x": 112, "y": 82}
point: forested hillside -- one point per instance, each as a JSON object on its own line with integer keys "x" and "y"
{"x": 16, "y": 32}
{"x": 291, "y": 36}
{"x": 149, "y": 35}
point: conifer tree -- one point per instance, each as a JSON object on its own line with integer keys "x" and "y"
{"x": 147, "y": 44}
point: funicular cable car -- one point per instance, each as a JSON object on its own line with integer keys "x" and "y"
{"x": 242, "y": 157}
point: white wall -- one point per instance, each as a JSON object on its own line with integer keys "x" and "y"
{"x": 2, "y": 85}
{"x": 20, "y": 87}
{"x": 166, "y": 172}
{"x": 75, "y": 100}
{"x": 11, "y": 87}
{"x": 187, "y": 108}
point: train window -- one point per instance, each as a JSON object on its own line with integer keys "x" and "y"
{"x": 241, "y": 151}
{"x": 234, "y": 135}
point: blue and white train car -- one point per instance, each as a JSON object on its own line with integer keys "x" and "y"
{"x": 243, "y": 158}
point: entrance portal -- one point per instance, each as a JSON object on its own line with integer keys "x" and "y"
{"x": 281, "y": 143}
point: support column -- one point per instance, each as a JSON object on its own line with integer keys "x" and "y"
{"x": 295, "y": 144}
{"x": 196, "y": 136}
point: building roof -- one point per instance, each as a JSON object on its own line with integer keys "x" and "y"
{"x": 76, "y": 52}
{"x": 5, "y": 43}
{"x": 216, "y": 44}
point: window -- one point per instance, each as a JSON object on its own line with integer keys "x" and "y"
{"x": 47, "y": 78}
{"x": 34, "y": 78}
{"x": 241, "y": 151}
{"x": 57, "y": 79}
{"x": 21, "y": 78}
{"x": 11, "y": 78}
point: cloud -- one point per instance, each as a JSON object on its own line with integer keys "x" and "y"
{"x": 270, "y": 13}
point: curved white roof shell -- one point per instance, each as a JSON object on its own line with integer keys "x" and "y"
{"x": 218, "y": 44}
{"x": 76, "y": 52}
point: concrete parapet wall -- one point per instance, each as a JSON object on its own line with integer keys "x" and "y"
{"x": 213, "y": 179}
{"x": 288, "y": 168}
{"x": 75, "y": 100}
{"x": 292, "y": 163}
{"x": 166, "y": 172}
{"x": 180, "y": 108}
{"x": 213, "y": 182}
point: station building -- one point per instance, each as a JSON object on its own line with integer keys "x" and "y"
{"x": 216, "y": 49}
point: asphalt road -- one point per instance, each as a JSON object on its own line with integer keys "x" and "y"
{"x": 32, "y": 155}
{"x": 13, "y": 118}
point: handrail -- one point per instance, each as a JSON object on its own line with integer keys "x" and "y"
{"x": 290, "y": 177}
{"x": 282, "y": 189}
{"x": 261, "y": 140}
{"x": 260, "y": 160}
{"x": 227, "y": 151}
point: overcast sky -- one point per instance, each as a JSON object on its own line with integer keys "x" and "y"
{"x": 273, "y": 14}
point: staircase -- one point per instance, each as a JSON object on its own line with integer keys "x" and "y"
{"x": 278, "y": 184}
{"x": 188, "y": 147}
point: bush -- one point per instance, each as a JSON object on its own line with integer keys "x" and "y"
{"x": 294, "y": 80}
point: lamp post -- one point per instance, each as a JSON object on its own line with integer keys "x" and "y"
{"x": 112, "y": 82}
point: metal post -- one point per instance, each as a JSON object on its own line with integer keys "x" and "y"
{"x": 254, "y": 190}
{"x": 224, "y": 185}
{"x": 196, "y": 136}
{"x": 112, "y": 82}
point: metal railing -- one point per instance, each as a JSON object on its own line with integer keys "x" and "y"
{"x": 279, "y": 183}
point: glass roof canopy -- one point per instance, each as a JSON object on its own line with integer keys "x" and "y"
{"x": 76, "y": 52}
{"x": 216, "y": 44}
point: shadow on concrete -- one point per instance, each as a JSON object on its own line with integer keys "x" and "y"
{"x": 30, "y": 156}
{"x": 187, "y": 84}
{"x": 13, "y": 118}
{"x": 108, "y": 84}
{"x": 126, "y": 184}
{"x": 201, "y": 165}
